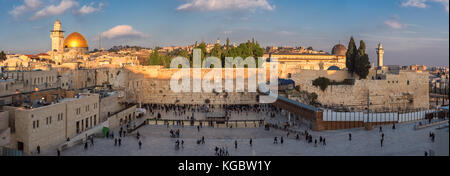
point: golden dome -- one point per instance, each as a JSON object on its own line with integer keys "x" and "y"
{"x": 75, "y": 40}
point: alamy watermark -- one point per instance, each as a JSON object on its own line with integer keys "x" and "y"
{"x": 262, "y": 76}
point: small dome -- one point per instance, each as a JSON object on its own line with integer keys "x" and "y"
{"x": 334, "y": 68}
{"x": 339, "y": 50}
{"x": 75, "y": 40}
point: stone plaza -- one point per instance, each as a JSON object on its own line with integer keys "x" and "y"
{"x": 156, "y": 141}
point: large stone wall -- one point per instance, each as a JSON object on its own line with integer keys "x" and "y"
{"x": 151, "y": 85}
{"x": 406, "y": 90}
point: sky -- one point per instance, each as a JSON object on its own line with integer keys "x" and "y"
{"x": 411, "y": 31}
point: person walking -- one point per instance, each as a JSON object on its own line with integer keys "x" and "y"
{"x": 382, "y": 140}
{"x": 381, "y": 129}
{"x": 38, "y": 148}
{"x": 251, "y": 142}
{"x": 235, "y": 144}
{"x": 350, "y": 136}
{"x": 86, "y": 145}
{"x": 58, "y": 153}
{"x": 140, "y": 144}
{"x": 115, "y": 141}
{"x": 281, "y": 140}
{"x": 120, "y": 142}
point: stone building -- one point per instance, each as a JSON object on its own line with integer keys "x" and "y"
{"x": 311, "y": 61}
{"x": 50, "y": 125}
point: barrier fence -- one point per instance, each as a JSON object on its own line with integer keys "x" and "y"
{"x": 376, "y": 117}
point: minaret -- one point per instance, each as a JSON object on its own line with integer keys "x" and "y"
{"x": 57, "y": 36}
{"x": 380, "y": 52}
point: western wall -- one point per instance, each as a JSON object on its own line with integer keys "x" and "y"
{"x": 151, "y": 85}
{"x": 406, "y": 90}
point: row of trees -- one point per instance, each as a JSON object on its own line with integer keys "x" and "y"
{"x": 357, "y": 59}
{"x": 244, "y": 50}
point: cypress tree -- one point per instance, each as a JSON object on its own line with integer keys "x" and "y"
{"x": 351, "y": 55}
{"x": 361, "y": 62}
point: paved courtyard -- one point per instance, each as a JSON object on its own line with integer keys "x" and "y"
{"x": 404, "y": 141}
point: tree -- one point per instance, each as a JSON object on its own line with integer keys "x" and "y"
{"x": 322, "y": 83}
{"x": 361, "y": 62}
{"x": 202, "y": 46}
{"x": 2, "y": 56}
{"x": 154, "y": 58}
{"x": 216, "y": 51}
{"x": 351, "y": 55}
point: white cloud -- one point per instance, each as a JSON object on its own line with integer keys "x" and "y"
{"x": 28, "y": 5}
{"x": 227, "y": 32}
{"x": 88, "y": 9}
{"x": 122, "y": 31}
{"x": 424, "y": 3}
{"x": 394, "y": 24}
{"x": 415, "y": 3}
{"x": 53, "y": 10}
{"x": 215, "y": 5}
{"x": 285, "y": 33}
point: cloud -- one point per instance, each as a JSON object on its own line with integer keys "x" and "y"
{"x": 285, "y": 33}
{"x": 53, "y": 10}
{"x": 28, "y": 5}
{"x": 122, "y": 31}
{"x": 415, "y": 3}
{"x": 395, "y": 24}
{"x": 227, "y": 32}
{"x": 424, "y": 3}
{"x": 216, "y": 5}
{"x": 88, "y": 9}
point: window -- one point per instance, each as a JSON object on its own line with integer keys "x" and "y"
{"x": 37, "y": 124}
{"x": 408, "y": 83}
{"x": 87, "y": 124}
{"x": 34, "y": 124}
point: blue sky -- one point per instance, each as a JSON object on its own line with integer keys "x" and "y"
{"x": 412, "y": 31}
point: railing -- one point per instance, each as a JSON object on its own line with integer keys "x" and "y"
{"x": 209, "y": 123}
{"x": 82, "y": 136}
